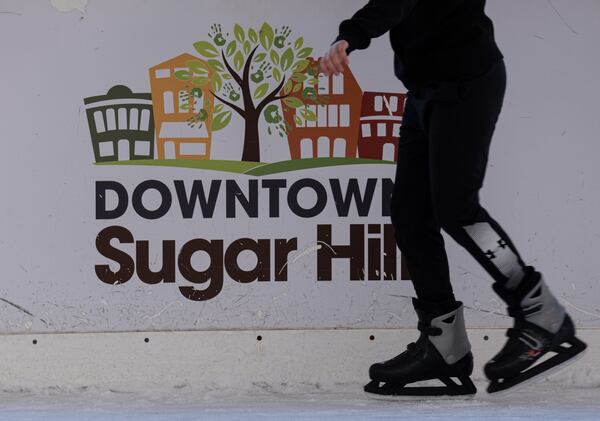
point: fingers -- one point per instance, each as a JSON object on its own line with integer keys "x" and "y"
{"x": 335, "y": 58}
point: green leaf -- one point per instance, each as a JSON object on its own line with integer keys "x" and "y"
{"x": 221, "y": 120}
{"x": 183, "y": 75}
{"x": 300, "y": 65}
{"x": 252, "y": 35}
{"x": 230, "y": 49}
{"x": 266, "y": 36}
{"x": 218, "y": 108}
{"x": 200, "y": 81}
{"x": 261, "y": 91}
{"x": 238, "y": 32}
{"x": 276, "y": 74}
{"x": 184, "y": 106}
{"x": 299, "y": 77}
{"x": 247, "y": 47}
{"x": 308, "y": 114}
{"x": 305, "y": 52}
{"x": 238, "y": 60}
{"x": 287, "y": 88}
{"x": 259, "y": 57}
{"x": 297, "y": 88}
{"x": 227, "y": 76}
{"x": 206, "y": 49}
{"x": 216, "y": 65}
{"x": 286, "y": 59}
{"x": 274, "y": 58}
{"x": 198, "y": 66}
{"x": 298, "y": 121}
{"x": 217, "y": 82}
{"x": 293, "y": 102}
{"x": 298, "y": 43}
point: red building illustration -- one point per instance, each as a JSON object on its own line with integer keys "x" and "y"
{"x": 335, "y": 131}
{"x": 380, "y": 123}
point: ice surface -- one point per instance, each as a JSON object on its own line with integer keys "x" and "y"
{"x": 546, "y": 401}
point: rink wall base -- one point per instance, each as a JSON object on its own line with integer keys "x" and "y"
{"x": 273, "y": 359}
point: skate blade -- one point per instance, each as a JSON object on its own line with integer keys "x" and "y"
{"x": 452, "y": 391}
{"x": 508, "y": 389}
{"x": 420, "y": 398}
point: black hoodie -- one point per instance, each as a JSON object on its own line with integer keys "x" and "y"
{"x": 433, "y": 40}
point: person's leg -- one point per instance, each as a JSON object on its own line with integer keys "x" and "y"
{"x": 443, "y": 350}
{"x": 417, "y": 232}
{"x": 461, "y": 124}
{"x": 460, "y": 130}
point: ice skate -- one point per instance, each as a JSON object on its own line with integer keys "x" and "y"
{"x": 442, "y": 353}
{"x": 541, "y": 327}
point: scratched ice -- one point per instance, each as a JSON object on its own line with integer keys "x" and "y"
{"x": 547, "y": 401}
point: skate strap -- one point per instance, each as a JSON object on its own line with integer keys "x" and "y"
{"x": 527, "y": 330}
{"x": 428, "y": 329}
{"x": 522, "y": 313}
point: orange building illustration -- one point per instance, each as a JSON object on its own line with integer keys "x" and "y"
{"x": 380, "y": 123}
{"x": 335, "y": 131}
{"x": 174, "y": 103}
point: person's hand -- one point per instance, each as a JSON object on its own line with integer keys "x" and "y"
{"x": 335, "y": 58}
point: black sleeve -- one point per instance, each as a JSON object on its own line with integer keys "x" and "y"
{"x": 373, "y": 20}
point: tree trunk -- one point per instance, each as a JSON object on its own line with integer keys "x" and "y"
{"x": 251, "y": 150}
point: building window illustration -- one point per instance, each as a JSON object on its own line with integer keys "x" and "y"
{"x": 145, "y": 119}
{"x": 378, "y": 103}
{"x": 176, "y": 137}
{"x": 323, "y": 147}
{"x": 322, "y": 116}
{"x": 124, "y": 150}
{"x": 162, "y": 73}
{"x": 306, "y": 148}
{"x": 345, "y": 115}
{"x": 168, "y": 102}
{"x": 323, "y": 84}
{"x": 393, "y": 104}
{"x": 197, "y": 99}
{"x": 122, "y": 118}
{"x": 338, "y": 84}
{"x": 99, "y": 121}
{"x": 366, "y": 130}
{"x": 389, "y": 152}
{"x": 339, "y": 148}
{"x": 112, "y": 121}
{"x": 134, "y": 119}
{"x": 106, "y": 149}
{"x": 332, "y": 117}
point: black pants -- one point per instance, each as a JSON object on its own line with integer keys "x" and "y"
{"x": 442, "y": 158}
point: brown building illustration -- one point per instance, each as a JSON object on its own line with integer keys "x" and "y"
{"x": 335, "y": 131}
{"x": 380, "y": 123}
{"x": 174, "y": 102}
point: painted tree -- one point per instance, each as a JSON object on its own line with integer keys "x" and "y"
{"x": 254, "y": 73}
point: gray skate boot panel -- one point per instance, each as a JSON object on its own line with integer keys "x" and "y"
{"x": 550, "y": 314}
{"x": 453, "y": 344}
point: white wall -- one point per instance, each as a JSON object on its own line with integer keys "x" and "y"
{"x": 543, "y": 183}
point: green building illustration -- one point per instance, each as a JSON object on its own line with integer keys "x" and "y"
{"x": 121, "y": 125}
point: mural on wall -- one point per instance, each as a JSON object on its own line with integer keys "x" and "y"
{"x": 260, "y": 76}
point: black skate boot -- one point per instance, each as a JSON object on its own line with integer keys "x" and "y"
{"x": 541, "y": 326}
{"x": 442, "y": 352}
